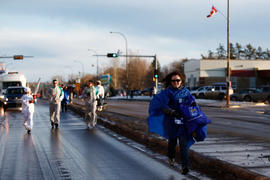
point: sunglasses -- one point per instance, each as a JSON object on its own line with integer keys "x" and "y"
{"x": 176, "y": 80}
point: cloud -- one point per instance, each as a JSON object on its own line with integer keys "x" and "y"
{"x": 58, "y": 32}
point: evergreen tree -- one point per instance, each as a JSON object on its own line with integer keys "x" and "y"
{"x": 232, "y": 51}
{"x": 259, "y": 53}
{"x": 266, "y": 54}
{"x": 250, "y": 52}
{"x": 203, "y": 57}
{"x": 221, "y": 53}
{"x": 210, "y": 55}
{"x": 238, "y": 51}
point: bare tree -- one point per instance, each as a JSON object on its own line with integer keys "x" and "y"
{"x": 59, "y": 78}
{"x": 86, "y": 78}
{"x": 118, "y": 77}
{"x": 138, "y": 69}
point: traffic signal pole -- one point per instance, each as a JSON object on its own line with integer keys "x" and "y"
{"x": 156, "y": 78}
{"x": 115, "y": 55}
{"x": 16, "y": 57}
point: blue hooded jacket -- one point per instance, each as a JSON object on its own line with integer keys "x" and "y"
{"x": 193, "y": 119}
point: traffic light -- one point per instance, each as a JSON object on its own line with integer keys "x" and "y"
{"x": 113, "y": 55}
{"x": 156, "y": 74}
{"x": 18, "y": 57}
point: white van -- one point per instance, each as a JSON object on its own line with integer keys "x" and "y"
{"x": 11, "y": 79}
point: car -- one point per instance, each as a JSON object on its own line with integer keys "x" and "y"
{"x": 147, "y": 92}
{"x": 244, "y": 94}
{"x": 135, "y": 92}
{"x": 262, "y": 94}
{"x": 218, "y": 91}
{"x": 12, "y": 98}
{"x": 199, "y": 93}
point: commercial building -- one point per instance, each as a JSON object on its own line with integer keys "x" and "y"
{"x": 244, "y": 73}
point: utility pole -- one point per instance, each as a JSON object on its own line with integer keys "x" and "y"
{"x": 228, "y": 79}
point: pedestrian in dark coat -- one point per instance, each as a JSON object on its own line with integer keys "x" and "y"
{"x": 175, "y": 115}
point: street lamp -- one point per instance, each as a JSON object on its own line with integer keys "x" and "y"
{"x": 126, "y": 56}
{"x": 97, "y": 59}
{"x": 81, "y": 65}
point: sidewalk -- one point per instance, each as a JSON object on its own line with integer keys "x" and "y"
{"x": 234, "y": 155}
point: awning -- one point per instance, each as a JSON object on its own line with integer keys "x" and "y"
{"x": 264, "y": 73}
{"x": 243, "y": 73}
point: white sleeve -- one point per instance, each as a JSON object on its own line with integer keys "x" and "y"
{"x": 102, "y": 91}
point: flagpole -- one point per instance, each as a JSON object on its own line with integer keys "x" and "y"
{"x": 228, "y": 55}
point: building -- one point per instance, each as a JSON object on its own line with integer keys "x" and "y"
{"x": 244, "y": 73}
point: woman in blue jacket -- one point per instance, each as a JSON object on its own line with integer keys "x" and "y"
{"x": 175, "y": 115}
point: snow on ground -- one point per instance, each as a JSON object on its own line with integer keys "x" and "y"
{"x": 199, "y": 101}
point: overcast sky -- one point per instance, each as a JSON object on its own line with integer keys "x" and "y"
{"x": 58, "y": 33}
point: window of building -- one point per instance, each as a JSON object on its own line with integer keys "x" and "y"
{"x": 252, "y": 82}
{"x": 234, "y": 82}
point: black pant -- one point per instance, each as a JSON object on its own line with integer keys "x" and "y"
{"x": 64, "y": 106}
{"x": 183, "y": 142}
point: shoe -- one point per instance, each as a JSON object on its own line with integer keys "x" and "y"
{"x": 171, "y": 162}
{"x": 29, "y": 131}
{"x": 89, "y": 126}
{"x": 52, "y": 124}
{"x": 56, "y": 125}
{"x": 184, "y": 170}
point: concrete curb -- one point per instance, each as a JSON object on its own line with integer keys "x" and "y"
{"x": 133, "y": 129}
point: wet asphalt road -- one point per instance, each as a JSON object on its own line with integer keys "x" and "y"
{"x": 71, "y": 152}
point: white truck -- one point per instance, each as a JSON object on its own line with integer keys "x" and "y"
{"x": 11, "y": 79}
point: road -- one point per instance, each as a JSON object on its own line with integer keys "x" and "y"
{"x": 71, "y": 152}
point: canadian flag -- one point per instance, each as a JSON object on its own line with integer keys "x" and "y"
{"x": 213, "y": 11}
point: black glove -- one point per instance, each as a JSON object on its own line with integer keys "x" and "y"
{"x": 194, "y": 104}
{"x": 173, "y": 113}
{"x": 177, "y": 114}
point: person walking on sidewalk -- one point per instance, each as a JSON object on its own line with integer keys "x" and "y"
{"x": 55, "y": 97}
{"x": 89, "y": 97}
{"x": 175, "y": 115}
{"x": 28, "y": 109}
{"x": 100, "y": 95}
